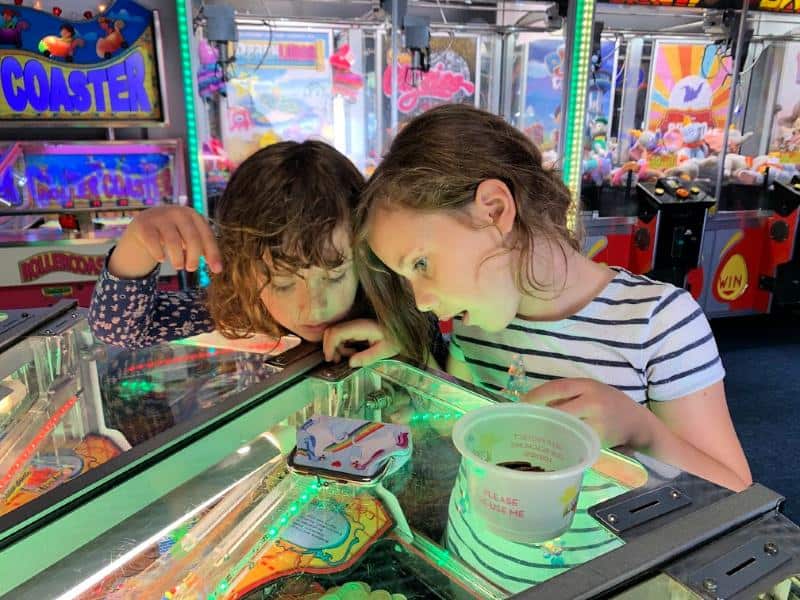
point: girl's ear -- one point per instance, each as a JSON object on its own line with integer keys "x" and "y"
{"x": 494, "y": 203}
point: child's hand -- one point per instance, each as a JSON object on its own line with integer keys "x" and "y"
{"x": 615, "y": 417}
{"x": 178, "y": 233}
{"x": 336, "y": 339}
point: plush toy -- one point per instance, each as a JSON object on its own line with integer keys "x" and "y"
{"x": 596, "y": 167}
{"x": 789, "y": 130}
{"x": 736, "y": 138}
{"x": 734, "y": 163}
{"x": 210, "y": 76}
{"x": 641, "y": 170}
{"x": 693, "y": 145}
{"x": 672, "y": 141}
{"x": 767, "y": 169}
{"x": 687, "y": 169}
{"x": 599, "y": 135}
{"x": 647, "y": 144}
{"x": 345, "y": 83}
{"x": 714, "y": 139}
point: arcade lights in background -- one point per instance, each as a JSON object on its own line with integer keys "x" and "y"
{"x": 72, "y": 10}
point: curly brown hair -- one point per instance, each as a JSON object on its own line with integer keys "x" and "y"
{"x": 282, "y": 204}
{"x": 436, "y": 163}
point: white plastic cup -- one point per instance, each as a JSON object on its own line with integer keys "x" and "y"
{"x": 524, "y": 506}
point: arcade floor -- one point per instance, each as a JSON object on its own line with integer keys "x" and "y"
{"x": 762, "y": 359}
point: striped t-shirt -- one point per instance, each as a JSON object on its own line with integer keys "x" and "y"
{"x": 648, "y": 339}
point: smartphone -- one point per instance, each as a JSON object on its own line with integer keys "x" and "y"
{"x": 350, "y": 450}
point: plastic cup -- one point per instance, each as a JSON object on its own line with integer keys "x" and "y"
{"x": 524, "y": 506}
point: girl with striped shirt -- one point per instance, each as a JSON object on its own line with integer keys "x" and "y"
{"x": 462, "y": 220}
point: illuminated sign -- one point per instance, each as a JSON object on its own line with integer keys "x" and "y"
{"x": 789, "y": 6}
{"x": 31, "y": 88}
{"x": 101, "y": 69}
{"x": 39, "y": 265}
{"x": 66, "y": 180}
{"x": 284, "y": 50}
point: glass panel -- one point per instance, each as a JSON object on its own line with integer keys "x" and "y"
{"x": 274, "y": 533}
{"x": 537, "y": 83}
{"x": 61, "y": 417}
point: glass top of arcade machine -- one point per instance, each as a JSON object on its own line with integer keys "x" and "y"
{"x": 75, "y": 414}
{"x": 250, "y": 527}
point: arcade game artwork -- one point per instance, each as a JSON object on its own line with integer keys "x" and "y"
{"x": 452, "y": 77}
{"x": 103, "y": 68}
{"x": 281, "y": 90}
{"x": 63, "y": 204}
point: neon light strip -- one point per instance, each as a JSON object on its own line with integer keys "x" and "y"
{"x": 162, "y": 362}
{"x": 196, "y": 190}
{"x": 153, "y": 539}
{"x": 31, "y": 447}
{"x": 576, "y": 105}
{"x": 111, "y": 148}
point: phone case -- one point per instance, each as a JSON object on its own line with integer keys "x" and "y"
{"x": 351, "y": 447}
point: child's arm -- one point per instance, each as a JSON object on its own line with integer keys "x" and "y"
{"x": 688, "y": 424}
{"x": 711, "y": 450}
{"x": 133, "y": 313}
{"x": 715, "y": 450}
{"x": 127, "y": 309}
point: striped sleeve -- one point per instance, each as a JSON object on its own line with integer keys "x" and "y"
{"x": 680, "y": 355}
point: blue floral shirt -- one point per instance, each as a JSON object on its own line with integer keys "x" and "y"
{"x": 134, "y": 313}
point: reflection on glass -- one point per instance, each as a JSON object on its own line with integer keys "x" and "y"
{"x": 281, "y": 534}
{"x": 60, "y": 417}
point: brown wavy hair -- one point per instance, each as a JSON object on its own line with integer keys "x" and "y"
{"x": 283, "y": 203}
{"x": 436, "y": 163}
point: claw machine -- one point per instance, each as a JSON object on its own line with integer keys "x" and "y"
{"x": 313, "y": 70}
{"x": 750, "y": 262}
{"x": 249, "y": 523}
{"x": 77, "y": 418}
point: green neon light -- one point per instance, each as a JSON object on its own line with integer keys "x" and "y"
{"x": 196, "y": 192}
{"x": 270, "y": 534}
{"x": 576, "y": 104}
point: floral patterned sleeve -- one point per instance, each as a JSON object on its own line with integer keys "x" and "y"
{"x": 133, "y": 313}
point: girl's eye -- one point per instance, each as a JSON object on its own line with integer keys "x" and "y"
{"x": 421, "y": 264}
{"x": 337, "y": 278}
{"x": 282, "y": 287}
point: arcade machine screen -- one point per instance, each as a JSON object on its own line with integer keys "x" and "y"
{"x": 64, "y": 204}
{"x": 61, "y": 418}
